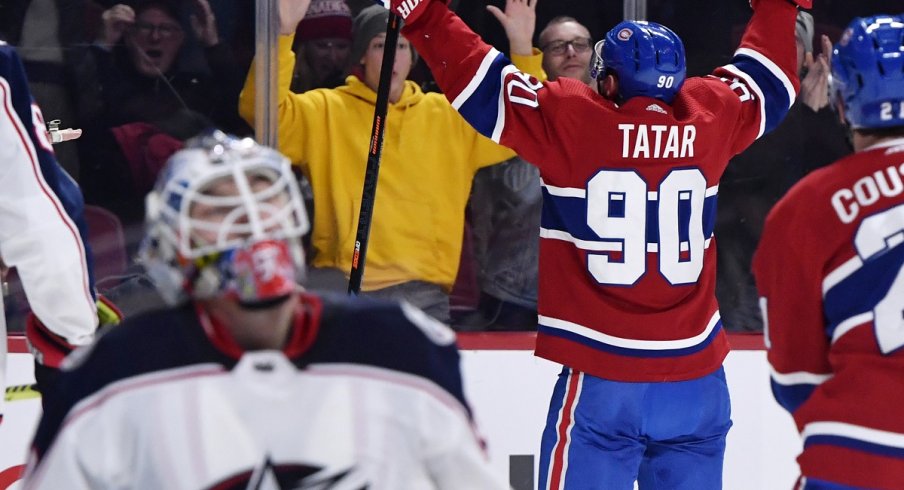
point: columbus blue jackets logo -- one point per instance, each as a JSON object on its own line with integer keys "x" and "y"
{"x": 291, "y": 476}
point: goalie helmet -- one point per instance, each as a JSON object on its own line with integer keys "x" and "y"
{"x": 868, "y": 72}
{"x": 225, "y": 218}
{"x": 648, "y": 59}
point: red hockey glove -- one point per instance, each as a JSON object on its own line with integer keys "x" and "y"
{"x": 408, "y": 10}
{"x": 48, "y": 348}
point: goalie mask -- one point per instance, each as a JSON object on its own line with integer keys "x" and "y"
{"x": 225, "y": 219}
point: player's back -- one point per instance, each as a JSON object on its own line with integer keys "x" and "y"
{"x": 365, "y": 395}
{"x": 631, "y": 214}
{"x": 626, "y": 288}
{"x": 830, "y": 271}
{"x": 848, "y": 220}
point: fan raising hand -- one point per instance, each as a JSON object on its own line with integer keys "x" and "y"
{"x": 519, "y": 20}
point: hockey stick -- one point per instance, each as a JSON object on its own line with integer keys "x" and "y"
{"x": 21, "y": 392}
{"x": 369, "y": 193}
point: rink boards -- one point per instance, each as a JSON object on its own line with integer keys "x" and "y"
{"x": 509, "y": 389}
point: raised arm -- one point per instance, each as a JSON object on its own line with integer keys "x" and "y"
{"x": 42, "y": 228}
{"x": 763, "y": 70}
{"x": 292, "y": 108}
{"x": 497, "y": 99}
{"x": 519, "y": 20}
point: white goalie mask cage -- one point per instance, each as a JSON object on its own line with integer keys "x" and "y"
{"x": 182, "y": 252}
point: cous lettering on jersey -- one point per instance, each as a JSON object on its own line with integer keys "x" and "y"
{"x": 866, "y": 191}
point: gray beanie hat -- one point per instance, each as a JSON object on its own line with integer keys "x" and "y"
{"x": 369, "y": 22}
{"x": 804, "y": 30}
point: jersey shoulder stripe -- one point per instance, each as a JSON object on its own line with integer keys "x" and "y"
{"x": 480, "y": 102}
{"x": 770, "y": 85}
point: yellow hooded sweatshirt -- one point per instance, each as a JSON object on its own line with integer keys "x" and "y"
{"x": 430, "y": 155}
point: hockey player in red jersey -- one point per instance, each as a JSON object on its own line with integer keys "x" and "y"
{"x": 830, "y": 273}
{"x": 247, "y": 382}
{"x": 627, "y": 257}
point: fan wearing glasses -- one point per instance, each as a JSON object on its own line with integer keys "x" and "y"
{"x": 139, "y": 55}
{"x": 566, "y": 46}
{"x": 153, "y": 91}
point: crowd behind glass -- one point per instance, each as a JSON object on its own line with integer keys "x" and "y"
{"x": 141, "y": 77}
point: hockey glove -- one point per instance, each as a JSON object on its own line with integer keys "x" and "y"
{"x": 48, "y": 348}
{"x": 408, "y": 10}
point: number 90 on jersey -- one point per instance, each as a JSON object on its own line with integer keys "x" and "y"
{"x": 622, "y": 208}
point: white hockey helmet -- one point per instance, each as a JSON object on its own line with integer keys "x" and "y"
{"x": 225, "y": 218}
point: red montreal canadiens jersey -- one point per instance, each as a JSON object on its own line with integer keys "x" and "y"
{"x": 830, "y": 269}
{"x": 627, "y": 255}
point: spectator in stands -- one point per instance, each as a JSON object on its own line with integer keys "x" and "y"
{"x": 506, "y": 201}
{"x": 754, "y": 181}
{"x": 150, "y": 103}
{"x": 51, "y": 38}
{"x": 429, "y": 160}
{"x": 567, "y": 46}
{"x": 323, "y": 43}
{"x": 138, "y": 53}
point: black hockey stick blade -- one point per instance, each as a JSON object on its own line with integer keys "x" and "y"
{"x": 369, "y": 193}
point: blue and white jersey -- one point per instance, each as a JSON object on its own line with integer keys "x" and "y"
{"x": 365, "y": 394}
{"x": 42, "y": 230}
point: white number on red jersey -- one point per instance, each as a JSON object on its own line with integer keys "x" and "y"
{"x": 879, "y": 233}
{"x": 617, "y": 211}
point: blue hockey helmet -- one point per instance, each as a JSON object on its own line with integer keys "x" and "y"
{"x": 868, "y": 72}
{"x": 647, "y": 57}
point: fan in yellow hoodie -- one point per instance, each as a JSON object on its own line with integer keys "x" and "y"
{"x": 430, "y": 156}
